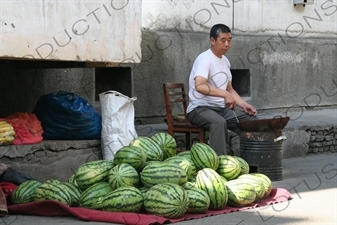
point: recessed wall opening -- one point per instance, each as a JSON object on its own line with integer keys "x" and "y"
{"x": 241, "y": 81}
{"x": 113, "y": 78}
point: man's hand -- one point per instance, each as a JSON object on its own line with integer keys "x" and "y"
{"x": 230, "y": 102}
{"x": 249, "y": 109}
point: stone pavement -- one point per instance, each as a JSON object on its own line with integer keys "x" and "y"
{"x": 312, "y": 181}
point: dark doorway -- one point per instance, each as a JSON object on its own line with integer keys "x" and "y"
{"x": 113, "y": 78}
{"x": 241, "y": 81}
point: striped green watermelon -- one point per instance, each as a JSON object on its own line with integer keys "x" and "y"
{"x": 151, "y": 162}
{"x": 240, "y": 193}
{"x": 123, "y": 175}
{"x": 268, "y": 186}
{"x": 53, "y": 181}
{"x": 243, "y": 164}
{"x": 24, "y": 193}
{"x": 184, "y": 163}
{"x": 229, "y": 167}
{"x": 224, "y": 179}
{"x": 92, "y": 197}
{"x": 257, "y": 183}
{"x": 186, "y": 154}
{"x": 92, "y": 172}
{"x": 198, "y": 200}
{"x": 131, "y": 155}
{"x": 190, "y": 184}
{"x": 123, "y": 199}
{"x": 158, "y": 173}
{"x": 72, "y": 180}
{"x": 143, "y": 189}
{"x": 52, "y": 191}
{"x": 75, "y": 193}
{"x": 204, "y": 156}
{"x": 168, "y": 200}
{"x": 193, "y": 178}
{"x": 193, "y": 167}
{"x": 152, "y": 149}
{"x": 167, "y": 144}
{"x": 213, "y": 184}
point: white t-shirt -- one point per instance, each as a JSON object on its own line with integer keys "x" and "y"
{"x": 217, "y": 71}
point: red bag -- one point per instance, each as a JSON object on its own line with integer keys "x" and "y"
{"x": 7, "y": 188}
{"x": 27, "y": 127}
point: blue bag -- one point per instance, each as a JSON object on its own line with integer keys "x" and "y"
{"x": 67, "y": 116}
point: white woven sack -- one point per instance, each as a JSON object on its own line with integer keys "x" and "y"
{"x": 118, "y": 127}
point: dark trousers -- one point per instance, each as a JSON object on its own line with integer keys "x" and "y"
{"x": 15, "y": 177}
{"x": 218, "y": 121}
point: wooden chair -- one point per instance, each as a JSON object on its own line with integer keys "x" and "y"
{"x": 176, "y": 105}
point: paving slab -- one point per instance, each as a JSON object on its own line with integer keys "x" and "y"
{"x": 312, "y": 181}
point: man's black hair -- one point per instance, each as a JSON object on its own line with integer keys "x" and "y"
{"x": 219, "y": 28}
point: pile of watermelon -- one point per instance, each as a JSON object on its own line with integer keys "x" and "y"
{"x": 150, "y": 176}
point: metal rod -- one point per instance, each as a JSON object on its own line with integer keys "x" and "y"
{"x": 235, "y": 116}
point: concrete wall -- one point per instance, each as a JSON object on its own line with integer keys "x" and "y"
{"x": 265, "y": 17}
{"x": 91, "y": 31}
{"x": 260, "y": 17}
{"x": 289, "y": 50}
{"x": 286, "y": 74}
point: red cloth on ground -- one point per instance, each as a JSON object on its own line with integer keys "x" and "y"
{"x": 54, "y": 208}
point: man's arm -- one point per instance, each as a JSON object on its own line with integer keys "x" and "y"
{"x": 249, "y": 109}
{"x": 203, "y": 87}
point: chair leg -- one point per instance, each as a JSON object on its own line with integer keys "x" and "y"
{"x": 202, "y": 136}
{"x": 188, "y": 140}
{"x": 170, "y": 131}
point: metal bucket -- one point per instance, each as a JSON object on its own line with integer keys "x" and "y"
{"x": 261, "y": 146}
{"x": 263, "y": 157}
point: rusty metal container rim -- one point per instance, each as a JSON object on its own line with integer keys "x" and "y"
{"x": 264, "y": 125}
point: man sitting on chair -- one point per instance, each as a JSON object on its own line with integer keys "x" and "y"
{"x": 212, "y": 98}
